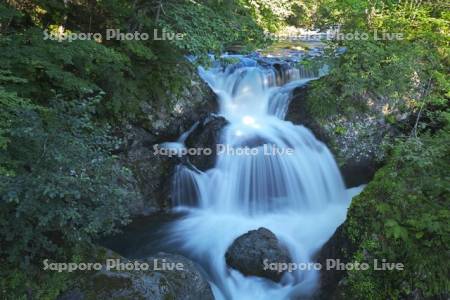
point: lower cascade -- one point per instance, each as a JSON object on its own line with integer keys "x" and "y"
{"x": 269, "y": 173}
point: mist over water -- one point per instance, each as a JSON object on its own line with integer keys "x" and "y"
{"x": 299, "y": 196}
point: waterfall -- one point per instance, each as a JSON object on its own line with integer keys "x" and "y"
{"x": 299, "y": 196}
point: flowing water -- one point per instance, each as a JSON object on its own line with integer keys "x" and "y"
{"x": 288, "y": 183}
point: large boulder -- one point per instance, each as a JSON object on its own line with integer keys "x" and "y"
{"x": 206, "y": 135}
{"x": 298, "y": 113}
{"x": 249, "y": 251}
{"x": 184, "y": 282}
{"x": 356, "y": 139}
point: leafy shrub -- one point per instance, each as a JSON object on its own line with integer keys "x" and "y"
{"x": 401, "y": 71}
{"x": 211, "y": 27}
{"x": 63, "y": 186}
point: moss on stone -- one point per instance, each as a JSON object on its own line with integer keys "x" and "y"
{"x": 403, "y": 216}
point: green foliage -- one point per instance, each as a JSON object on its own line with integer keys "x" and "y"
{"x": 64, "y": 186}
{"x": 128, "y": 72}
{"x": 74, "y": 69}
{"x": 304, "y": 14}
{"x": 339, "y": 130}
{"x": 19, "y": 284}
{"x": 60, "y": 189}
{"x": 273, "y": 15}
{"x": 9, "y": 102}
{"x": 7, "y": 15}
{"x": 403, "y": 216}
{"x": 81, "y": 68}
{"x": 211, "y": 28}
{"x": 402, "y": 71}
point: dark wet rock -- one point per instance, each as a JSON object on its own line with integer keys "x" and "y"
{"x": 248, "y": 252}
{"x": 298, "y": 113}
{"x": 235, "y": 64}
{"x": 206, "y": 135}
{"x": 235, "y": 48}
{"x": 339, "y": 247}
{"x": 75, "y": 294}
{"x": 153, "y": 284}
{"x": 358, "y": 172}
{"x": 142, "y": 236}
{"x": 281, "y": 74}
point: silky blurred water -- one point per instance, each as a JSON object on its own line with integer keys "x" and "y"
{"x": 299, "y": 196}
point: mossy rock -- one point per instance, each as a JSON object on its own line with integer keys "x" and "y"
{"x": 188, "y": 283}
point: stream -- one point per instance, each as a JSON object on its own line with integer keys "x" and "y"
{"x": 287, "y": 182}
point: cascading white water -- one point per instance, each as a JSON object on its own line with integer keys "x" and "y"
{"x": 299, "y": 196}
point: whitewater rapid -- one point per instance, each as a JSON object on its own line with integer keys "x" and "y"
{"x": 300, "y": 196}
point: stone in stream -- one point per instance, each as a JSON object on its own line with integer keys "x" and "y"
{"x": 248, "y": 253}
{"x": 206, "y": 136}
